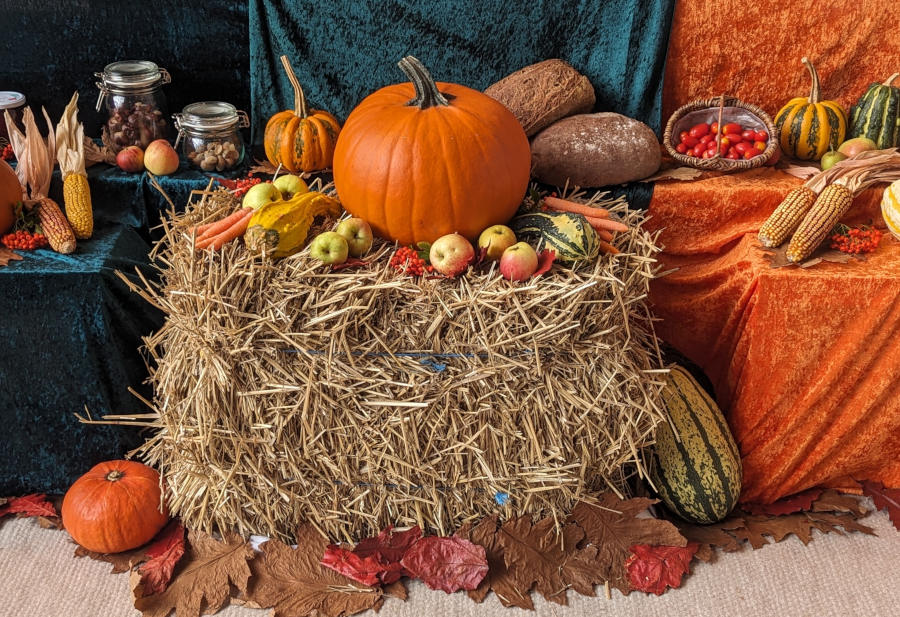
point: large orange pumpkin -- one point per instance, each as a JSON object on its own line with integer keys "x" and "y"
{"x": 10, "y": 193}
{"x": 114, "y": 507}
{"x": 300, "y": 139}
{"x": 423, "y": 159}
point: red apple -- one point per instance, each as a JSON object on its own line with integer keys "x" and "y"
{"x": 854, "y": 146}
{"x": 518, "y": 262}
{"x": 496, "y": 239}
{"x": 358, "y": 234}
{"x": 160, "y": 158}
{"x": 451, "y": 254}
{"x": 131, "y": 159}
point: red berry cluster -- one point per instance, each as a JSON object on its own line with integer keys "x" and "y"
{"x": 407, "y": 261}
{"x": 856, "y": 240}
{"x": 7, "y": 153}
{"x": 24, "y": 240}
{"x": 240, "y": 186}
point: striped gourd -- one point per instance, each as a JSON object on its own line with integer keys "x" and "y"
{"x": 807, "y": 128}
{"x": 570, "y": 235}
{"x": 877, "y": 114}
{"x": 698, "y": 473}
{"x": 890, "y": 208}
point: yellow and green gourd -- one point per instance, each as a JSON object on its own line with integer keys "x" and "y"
{"x": 807, "y": 127}
{"x": 280, "y": 227}
{"x": 877, "y": 114}
{"x": 696, "y": 468}
{"x": 890, "y": 208}
{"x": 570, "y": 235}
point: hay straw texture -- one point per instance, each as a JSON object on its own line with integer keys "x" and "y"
{"x": 286, "y": 392}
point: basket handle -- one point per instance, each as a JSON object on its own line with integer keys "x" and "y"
{"x": 719, "y": 127}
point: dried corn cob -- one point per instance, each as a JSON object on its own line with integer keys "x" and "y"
{"x": 55, "y": 226}
{"x": 787, "y": 216}
{"x": 832, "y": 203}
{"x": 77, "y": 196}
{"x": 70, "y": 154}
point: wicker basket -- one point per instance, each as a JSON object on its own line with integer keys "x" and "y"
{"x": 722, "y": 110}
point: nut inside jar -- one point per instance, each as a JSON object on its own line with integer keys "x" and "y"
{"x": 135, "y": 124}
{"x": 215, "y": 154}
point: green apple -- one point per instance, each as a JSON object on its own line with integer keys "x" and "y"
{"x": 261, "y": 194}
{"x": 496, "y": 239}
{"x": 358, "y": 234}
{"x": 831, "y": 158}
{"x": 329, "y": 247}
{"x": 854, "y": 146}
{"x": 290, "y": 185}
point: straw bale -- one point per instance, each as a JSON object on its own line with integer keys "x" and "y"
{"x": 286, "y": 392}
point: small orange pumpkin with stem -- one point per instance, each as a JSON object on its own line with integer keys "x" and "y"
{"x": 423, "y": 159}
{"x": 114, "y": 507}
{"x": 300, "y": 139}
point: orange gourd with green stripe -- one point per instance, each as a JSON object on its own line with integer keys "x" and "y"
{"x": 696, "y": 467}
{"x": 300, "y": 139}
{"x": 807, "y": 128}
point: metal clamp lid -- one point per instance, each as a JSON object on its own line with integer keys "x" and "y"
{"x": 129, "y": 77}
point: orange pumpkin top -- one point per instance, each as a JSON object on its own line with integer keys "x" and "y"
{"x": 423, "y": 159}
{"x": 10, "y": 193}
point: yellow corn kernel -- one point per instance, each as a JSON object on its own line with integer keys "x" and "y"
{"x": 787, "y": 216}
{"x": 832, "y": 204}
{"x": 77, "y": 197}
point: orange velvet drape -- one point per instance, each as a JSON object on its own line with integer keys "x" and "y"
{"x": 806, "y": 363}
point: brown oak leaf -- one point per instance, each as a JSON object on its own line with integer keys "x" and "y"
{"x": 501, "y": 579}
{"x": 757, "y": 529}
{"x": 654, "y": 568}
{"x": 833, "y": 501}
{"x": 7, "y": 256}
{"x": 163, "y": 553}
{"x": 295, "y": 584}
{"x": 885, "y": 499}
{"x": 778, "y": 257}
{"x": 611, "y": 526}
{"x": 121, "y": 562}
{"x": 787, "y": 505}
{"x": 711, "y": 537}
{"x": 204, "y": 578}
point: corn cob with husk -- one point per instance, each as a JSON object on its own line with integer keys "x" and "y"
{"x": 836, "y": 198}
{"x": 70, "y": 154}
{"x": 36, "y": 158}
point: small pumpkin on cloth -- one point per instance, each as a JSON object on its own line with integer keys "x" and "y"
{"x": 890, "y": 208}
{"x": 808, "y": 127}
{"x": 10, "y": 193}
{"x": 877, "y": 114}
{"x": 114, "y": 507}
{"x": 300, "y": 139}
{"x": 421, "y": 160}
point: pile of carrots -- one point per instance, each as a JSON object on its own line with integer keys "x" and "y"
{"x": 598, "y": 218}
{"x": 216, "y": 234}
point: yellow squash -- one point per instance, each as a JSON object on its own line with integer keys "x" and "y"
{"x": 280, "y": 228}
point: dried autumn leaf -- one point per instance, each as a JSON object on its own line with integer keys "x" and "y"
{"x": 294, "y": 583}
{"x": 788, "y": 505}
{"x": 163, "y": 553}
{"x": 611, "y": 526}
{"x": 7, "y": 256}
{"x": 756, "y": 529}
{"x": 777, "y": 257}
{"x": 709, "y": 537}
{"x": 545, "y": 262}
{"x": 365, "y": 570}
{"x": 450, "y": 563}
{"x": 501, "y": 579}
{"x": 121, "y": 562}
{"x": 31, "y": 505}
{"x": 389, "y": 544}
{"x": 264, "y": 168}
{"x": 885, "y": 499}
{"x": 833, "y": 501}
{"x": 203, "y": 584}
{"x": 654, "y": 568}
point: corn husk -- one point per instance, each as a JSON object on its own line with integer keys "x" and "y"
{"x": 70, "y": 140}
{"x": 36, "y": 155}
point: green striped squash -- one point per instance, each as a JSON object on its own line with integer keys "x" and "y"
{"x": 807, "y": 128}
{"x": 877, "y": 114}
{"x": 570, "y": 235}
{"x": 699, "y": 476}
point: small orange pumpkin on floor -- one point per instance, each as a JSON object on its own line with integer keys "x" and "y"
{"x": 114, "y": 507}
{"x": 10, "y": 193}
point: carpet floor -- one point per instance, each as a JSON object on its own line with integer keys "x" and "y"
{"x": 848, "y": 576}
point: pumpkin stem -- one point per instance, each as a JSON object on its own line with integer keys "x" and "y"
{"x": 115, "y": 475}
{"x": 427, "y": 93}
{"x": 890, "y": 79}
{"x": 300, "y": 107}
{"x": 814, "y": 93}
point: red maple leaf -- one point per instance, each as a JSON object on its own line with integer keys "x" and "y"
{"x": 795, "y": 503}
{"x": 389, "y": 544}
{"x": 450, "y": 563}
{"x": 29, "y": 505}
{"x": 885, "y": 499}
{"x": 363, "y": 570}
{"x": 164, "y": 554}
{"x": 545, "y": 262}
{"x": 653, "y": 568}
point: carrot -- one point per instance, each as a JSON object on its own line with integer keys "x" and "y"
{"x": 564, "y": 205}
{"x": 222, "y": 224}
{"x": 237, "y": 229}
{"x": 606, "y": 247}
{"x": 201, "y": 229}
{"x": 606, "y": 224}
{"x": 604, "y": 235}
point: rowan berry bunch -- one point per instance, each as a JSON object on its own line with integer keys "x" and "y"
{"x": 240, "y": 186}
{"x": 24, "y": 240}
{"x": 855, "y": 240}
{"x": 406, "y": 260}
{"x": 7, "y": 153}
